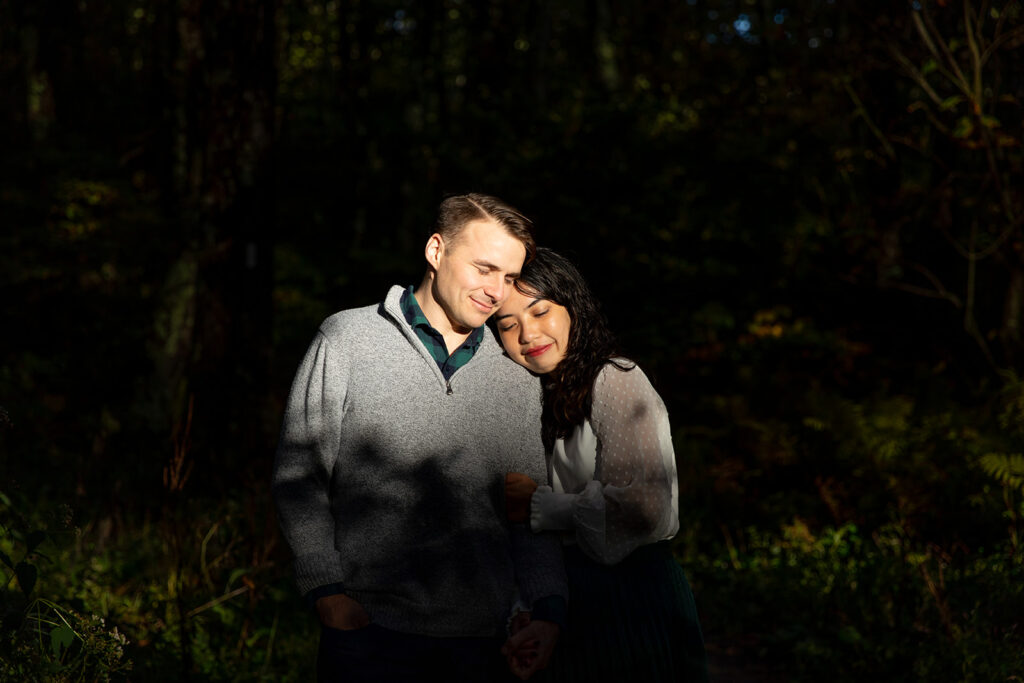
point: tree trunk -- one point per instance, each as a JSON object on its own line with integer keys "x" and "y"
{"x": 1012, "y": 311}
{"x": 227, "y": 73}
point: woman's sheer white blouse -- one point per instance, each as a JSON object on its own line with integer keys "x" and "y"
{"x": 613, "y": 480}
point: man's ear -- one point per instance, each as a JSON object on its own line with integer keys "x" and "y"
{"x": 434, "y": 250}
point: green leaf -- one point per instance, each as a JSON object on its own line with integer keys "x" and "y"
{"x": 990, "y": 121}
{"x": 27, "y": 576}
{"x": 6, "y": 559}
{"x": 61, "y": 638}
{"x": 814, "y": 423}
{"x": 850, "y": 635}
{"x": 236, "y": 574}
{"x": 929, "y": 66}
{"x": 950, "y": 102}
{"x": 4, "y": 499}
{"x": 964, "y": 128}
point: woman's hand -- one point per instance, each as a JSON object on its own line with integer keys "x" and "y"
{"x": 519, "y": 489}
{"x": 529, "y": 649}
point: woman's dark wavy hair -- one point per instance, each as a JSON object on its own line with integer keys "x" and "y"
{"x": 569, "y": 387}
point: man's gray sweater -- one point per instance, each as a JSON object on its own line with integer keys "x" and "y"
{"x": 389, "y": 479}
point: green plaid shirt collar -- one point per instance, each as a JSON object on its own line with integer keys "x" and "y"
{"x": 434, "y": 341}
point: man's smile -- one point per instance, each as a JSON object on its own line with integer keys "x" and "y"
{"x": 484, "y": 307}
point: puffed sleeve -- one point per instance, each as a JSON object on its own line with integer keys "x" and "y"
{"x": 632, "y": 499}
{"x": 304, "y": 463}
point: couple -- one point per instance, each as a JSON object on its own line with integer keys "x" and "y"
{"x": 406, "y": 478}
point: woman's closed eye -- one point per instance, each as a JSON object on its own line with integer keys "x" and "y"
{"x": 536, "y": 314}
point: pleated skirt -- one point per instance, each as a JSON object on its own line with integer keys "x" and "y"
{"x": 633, "y": 621}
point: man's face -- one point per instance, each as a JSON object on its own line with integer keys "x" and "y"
{"x": 475, "y": 274}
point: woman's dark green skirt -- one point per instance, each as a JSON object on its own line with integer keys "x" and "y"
{"x": 633, "y": 621}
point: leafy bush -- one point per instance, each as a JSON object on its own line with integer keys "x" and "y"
{"x": 54, "y": 643}
{"x": 207, "y": 607}
{"x": 844, "y": 606}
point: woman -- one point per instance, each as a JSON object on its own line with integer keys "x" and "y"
{"x": 613, "y": 492}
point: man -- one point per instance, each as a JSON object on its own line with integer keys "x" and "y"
{"x": 401, "y": 423}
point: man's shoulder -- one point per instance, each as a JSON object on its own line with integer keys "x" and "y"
{"x": 502, "y": 368}
{"x": 355, "y": 323}
{"x": 349, "y": 316}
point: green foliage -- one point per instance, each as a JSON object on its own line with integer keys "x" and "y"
{"x": 1007, "y": 469}
{"x": 56, "y": 644}
{"x": 41, "y": 640}
{"x": 861, "y": 524}
{"x": 111, "y": 610}
{"x": 20, "y": 540}
{"x": 848, "y": 606}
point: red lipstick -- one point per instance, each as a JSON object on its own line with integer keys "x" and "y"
{"x": 537, "y": 350}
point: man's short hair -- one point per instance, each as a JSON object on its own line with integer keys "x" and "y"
{"x": 455, "y": 212}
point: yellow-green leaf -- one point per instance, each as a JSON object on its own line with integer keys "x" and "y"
{"x": 964, "y": 127}
{"x": 951, "y": 102}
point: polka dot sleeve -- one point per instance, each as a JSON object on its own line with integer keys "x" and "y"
{"x": 634, "y": 488}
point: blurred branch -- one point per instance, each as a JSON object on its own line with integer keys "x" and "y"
{"x": 915, "y": 74}
{"x": 970, "y": 324}
{"x": 218, "y": 600}
{"x": 178, "y": 470}
{"x": 939, "y": 292}
{"x": 972, "y": 43}
{"x": 987, "y": 251}
{"x": 972, "y": 268}
{"x": 863, "y": 113}
{"x": 1001, "y": 39}
{"x": 928, "y": 154}
{"x": 734, "y": 557}
{"x": 991, "y": 249}
{"x": 957, "y": 75}
{"x": 940, "y": 599}
{"x": 202, "y": 555}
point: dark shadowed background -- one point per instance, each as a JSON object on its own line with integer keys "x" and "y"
{"x": 805, "y": 219}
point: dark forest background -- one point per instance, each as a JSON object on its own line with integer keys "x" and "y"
{"x": 805, "y": 219}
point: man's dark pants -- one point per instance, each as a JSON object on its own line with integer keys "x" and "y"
{"x": 379, "y": 655}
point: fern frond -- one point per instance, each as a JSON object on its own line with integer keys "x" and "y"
{"x": 1006, "y": 468}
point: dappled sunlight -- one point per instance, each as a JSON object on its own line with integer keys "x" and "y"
{"x": 804, "y": 220}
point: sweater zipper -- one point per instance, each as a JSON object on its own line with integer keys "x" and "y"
{"x": 448, "y": 384}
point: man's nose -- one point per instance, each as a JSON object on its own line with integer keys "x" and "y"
{"x": 495, "y": 288}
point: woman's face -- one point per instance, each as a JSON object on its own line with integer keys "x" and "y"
{"x": 534, "y": 332}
